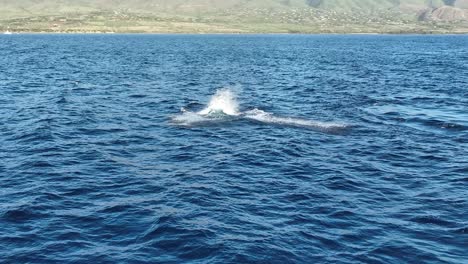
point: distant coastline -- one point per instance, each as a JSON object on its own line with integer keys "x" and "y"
{"x": 231, "y": 33}
{"x": 226, "y": 28}
{"x": 236, "y": 17}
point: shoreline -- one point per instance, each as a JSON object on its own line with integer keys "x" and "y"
{"x": 230, "y": 33}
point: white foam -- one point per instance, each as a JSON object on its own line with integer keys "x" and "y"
{"x": 265, "y": 117}
{"x": 224, "y": 101}
{"x": 187, "y": 118}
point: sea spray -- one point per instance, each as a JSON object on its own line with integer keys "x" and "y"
{"x": 223, "y": 101}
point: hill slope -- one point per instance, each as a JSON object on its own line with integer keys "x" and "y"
{"x": 358, "y": 16}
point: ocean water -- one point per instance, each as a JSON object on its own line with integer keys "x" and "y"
{"x": 233, "y": 149}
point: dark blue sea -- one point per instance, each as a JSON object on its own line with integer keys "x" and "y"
{"x": 233, "y": 149}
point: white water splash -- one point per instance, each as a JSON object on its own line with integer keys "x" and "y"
{"x": 223, "y": 107}
{"x": 223, "y": 101}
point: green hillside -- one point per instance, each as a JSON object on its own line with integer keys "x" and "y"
{"x": 243, "y": 16}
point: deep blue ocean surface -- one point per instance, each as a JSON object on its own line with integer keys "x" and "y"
{"x": 233, "y": 149}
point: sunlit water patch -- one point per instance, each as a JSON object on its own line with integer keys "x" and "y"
{"x": 424, "y": 117}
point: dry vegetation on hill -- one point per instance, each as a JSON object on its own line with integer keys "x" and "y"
{"x": 242, "y": 16}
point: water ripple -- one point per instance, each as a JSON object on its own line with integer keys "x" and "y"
{"x": 181, "y": 148}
